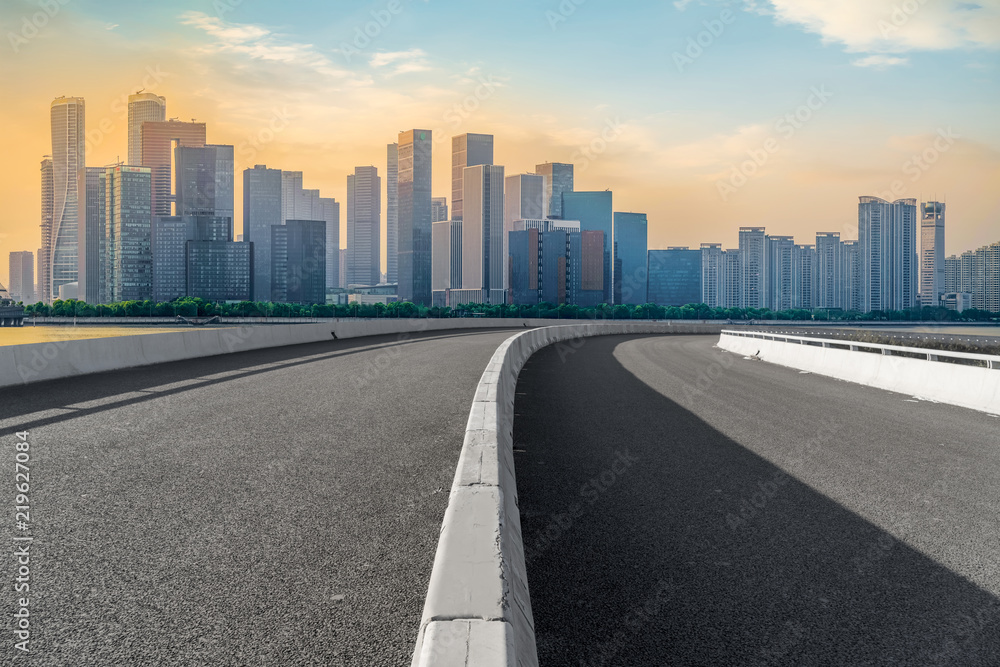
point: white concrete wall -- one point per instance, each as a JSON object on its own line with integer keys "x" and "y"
{"x": 967, "y": 386}
{"x": 36, "y": 362}
{"x": 478, "y": 611}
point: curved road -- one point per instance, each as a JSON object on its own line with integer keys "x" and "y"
{"x": 682, "y": 505}
{"x": 276, "y": 507}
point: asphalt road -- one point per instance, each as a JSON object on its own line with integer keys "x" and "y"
{"x": 276, "y": 507}
{"x": 682, "y": 505}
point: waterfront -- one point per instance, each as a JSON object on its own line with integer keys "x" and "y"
{"x": 49, "y": 334}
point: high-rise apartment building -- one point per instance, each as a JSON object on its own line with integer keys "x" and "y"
{"x": 142, "y": 107}
{"x": 557, "y": 178}
{"x": 67, "y": 115}
{"x": 931, "y": 252}
{"x": 364, "y": 222}
{"x": 467, "y": 150}
{"x": 853, "y": 276}
{"x": 157, "y": 140}
{"x": 753, "y": 267}
{"x": 631, "y": 245}
{"x": 779, "y": 268}
{"x": 91, "y": 234}
{"x": 392, "y": 214}
{"x": 732, "y": 278}
{"x": 261, "y": 211}
{"x": 804, "y": 276}
{"x": 483, "y": 261}
{"x": 128, "y": 222}
{"x": 713, "y": 274}
{"x": 829, "y": 270}
{"x": 22, "y": 276}
{"x": 415, "y": 216}
{"x": 887, "y": 237}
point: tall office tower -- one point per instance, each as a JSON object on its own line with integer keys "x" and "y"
{"x": 439, "y": 209}
{"x": 524, "y": 199}
{"x": 732, "y": 278}
{"x": 217, "y": 268}
{"x": 853, "y": 281}
{"x": 44, "y": 292}
{"x": 804, "y": 269}
{"x": 931, "y": 252}
{"x": 467, "y": 150}
{"x": 68, "y": 157}
{"x": 676, "y": 276}
{"x": 291, "y": 194}
{"x": 142, "y": 107}
{"x": 753, "y": 267}
{"x": 887, "y": 236}
{"x": 554, "y": 248}
{"x": 779, "y": 269}
{"x": 91, "y": 233}
{"x": 952, "y": 274}
{"x": 829, "y": 270}
{"x": 298, "y": 262}
{"x": 22, "y": 276}
{"x": 713, "y": 274}
{"x": 594, "y": 211}
{"x": 588, "y": 267}
{"x": 342, "y": 267}
{"x": 523, "y": 261}
{"x": 364, "y": 221}
{"x": 205, "y": 181}
{"x": 415, "y": 216}
{"x": 157, "y": 139}
{"x": 483, "y": 263}
{"x": 128, "y": 221}
{"x": 261, "y": 211}
{"x": 446, "y": 261}
{"x": 392, "y": 214}
{"x": 630, "y": 244}
{"x": 329, "y": 212}
{"x": 557, "y": 178}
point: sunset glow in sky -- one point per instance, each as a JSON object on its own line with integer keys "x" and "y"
{"x": 704, "y": 115}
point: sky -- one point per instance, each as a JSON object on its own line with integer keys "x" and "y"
{"x": 704, "y": 115}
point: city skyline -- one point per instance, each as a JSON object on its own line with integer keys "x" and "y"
{"x": 248, "y": 72}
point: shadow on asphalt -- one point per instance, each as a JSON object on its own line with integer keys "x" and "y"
{"x": 58, "y": 394}
{"x": 653, "y": 539}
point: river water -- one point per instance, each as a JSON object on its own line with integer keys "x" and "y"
{"x": 52, "y": 333}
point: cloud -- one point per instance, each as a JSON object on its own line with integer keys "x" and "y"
{"x": 414, "y": 60}
{"x": 259, "y": 43}
{"x": 880, "y": 61}
{"x": 891, "y": 26}
{"x": 681, "y": 5}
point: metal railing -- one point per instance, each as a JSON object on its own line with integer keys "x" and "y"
{"x": 990, "y": 361}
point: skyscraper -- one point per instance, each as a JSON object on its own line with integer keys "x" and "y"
{"x": 301, "y": 204}
{"x": 446, "y": 260}
{"x": 853, "y": 276}
{"x": 261, "y": 210}
{"x": 523, "y": 200}
{"x": 439, "y": 209}
{"x": 483, "y": 262}
{"x": 157, "y": 139}
{"x": 829, "y": 270}
{"x": 204, "y": 181}
{"x": 22, "y": 276}
{"x": 931, "y": 252}
{"x": 594, "y": 210}
{"x": 91, "y": 234}
{"x": 675, "y": 276}
{"x": 44, "y": 253}
{"x": 713, "y": 274}
{"x": 392, "y": 214}
{"x": 128, "y": 217}
{"x": 779, "y": 268}
{"x": 329, "y": 212}
{"x": 732, "y": 279}
{"x": 364, "y": 222}
{"x": 68, "y": 157}
{"x": 298, "y": 262}
{"x": 467, "y": 150}
{"x": 887, "y": 237}
{"x": 588, "y": 269}
{"x": 630, "y": 243}
{"x": 415, "y": 216}
{"x": 753, "y": 267}
{"x": 557, "y": 179}
{"x": 142, "y": 107}
{"x": 804, "y": 271}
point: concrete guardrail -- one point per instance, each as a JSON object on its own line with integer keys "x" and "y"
{"x": 478, "y": 611}
{"x": 935, "y": 375}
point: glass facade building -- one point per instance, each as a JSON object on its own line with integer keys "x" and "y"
{"x": 595, "y": 213}
{"x": 467, "y": 150}
{"x": 67, "y": 116}
{"x": 415, "y": 216}
{"x": 204, "y": 181}
{"x": 557, "y": 178}
{"x": 364, "y": 223}
{"x": 219, "y": 270}
{"x": 157, "y": 140}
{"x": 261, "y": 211}
{"x": 392, "y": 213}
{"x": 298, "y": 262}
{"x": 631, "y": 245}
{"x": 91, "y": 234}
{"x": 142, "y": 107}
{"x": 128, "y": 217}
{"x": 675, "y": 277}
